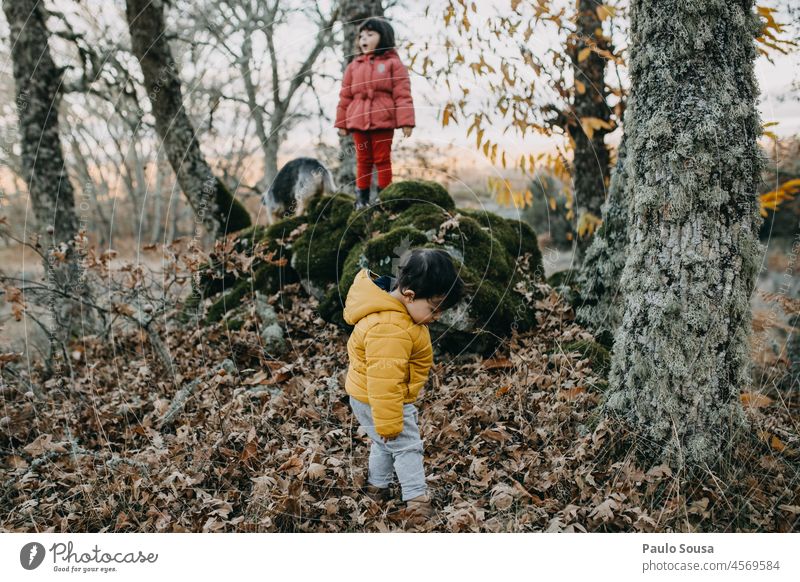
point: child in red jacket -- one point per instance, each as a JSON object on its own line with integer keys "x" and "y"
{"x": 375, "y": 99}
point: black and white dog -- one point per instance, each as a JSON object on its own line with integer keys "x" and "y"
{"x": 297, "y": 182}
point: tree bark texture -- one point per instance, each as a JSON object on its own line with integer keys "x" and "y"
{"x": 693, "y": 165}
{"x": 591, "y": 157}
{"x": 38, "y": 82}
{"x": 213, "y": 204}
{"x": 601, "y": 301}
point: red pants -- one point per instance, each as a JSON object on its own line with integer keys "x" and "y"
{"x": 373, "y": 147}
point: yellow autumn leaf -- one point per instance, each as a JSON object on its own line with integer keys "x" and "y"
{"x": 580, "y": 87}
{"x": 771, "y": 200}
{"x": 447, "y": 114}
{"x": 588, "y": 223}
{"x": 755, "y": 400}
{"x": 583, "y": 54}
{"x": 604, "y": 11}
{"x": 592, "y": 124}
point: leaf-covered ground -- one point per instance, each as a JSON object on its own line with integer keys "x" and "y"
{"x": 512, "y": 443}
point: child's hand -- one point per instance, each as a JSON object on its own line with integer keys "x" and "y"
{"x": 390, "y": 438}
{"x": 342, "y": 132}
{"x": 407, "y": 131}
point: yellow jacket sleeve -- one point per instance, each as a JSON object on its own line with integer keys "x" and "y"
{"x": 387, "y": 349}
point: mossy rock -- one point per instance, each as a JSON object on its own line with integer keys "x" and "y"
{"x": 214, "y": 280}
{"x": 516, "y": 236}
{"x": 596, "y": 353}
{"x": 265, "y": 277}
{"x": 566, "y": 284}
{"x": 336, "y": 242}
{"x": 567, "y": 277}
{"x": 318, "y": 255}
{"x": 481, "y": 252}
{"x": 376, "y": 254}
{"x": 233, "y": 216}
{"x": 332, "y": 305}
{"x": 400, "y": 195}
{"x": 423, "y": 217}
{"x": 491, "y": 311}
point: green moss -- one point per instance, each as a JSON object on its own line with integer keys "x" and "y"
{"x": 333, "y": 229}
{"x": 383, "y": 252}
{"x": 493, "y": 311}
{"x": 331, "y": 306}
{"x": 378, "y": 254}
{"x": 267, "y": 278}
{"x": 400, "y": 195}
{"x": 281, "y": 229}
{"x": 232, "y": 215}
{"x": 423, "y": 217}
{"x": 481, "y": 251}
{"x": 597, "y": 354}
{"x": 516, "y": 236}
{"x": 338, "y": 242}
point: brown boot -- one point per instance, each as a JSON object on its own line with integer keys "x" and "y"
{"x": 419, "y": 509}
{"x": 379, "y": 494}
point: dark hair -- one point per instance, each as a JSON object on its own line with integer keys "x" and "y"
{"x": 430, "y": 273}
{"x": 384, "y": 29}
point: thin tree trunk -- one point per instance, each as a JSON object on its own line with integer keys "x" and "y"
{"x": 600, "y": 306}
{"x": 591, "y": 157}
{"x": 212, "y": 202}
{"x": 258, "y": 115}
{"x": 681, "y": 356}
{"x": 82, "y": 167}
{"x": 353, "y": 13}
{"x": 38, "y": 83}
{"x": 158, "y": 201}
{"x": 281, "y": 105}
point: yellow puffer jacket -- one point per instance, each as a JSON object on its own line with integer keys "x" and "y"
{"x": 390, "y": 355}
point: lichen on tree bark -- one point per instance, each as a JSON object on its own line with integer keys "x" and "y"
{"x": 600, "y": 306}
{"x": 39, "y": 91}
{"x": 693, "y": 165}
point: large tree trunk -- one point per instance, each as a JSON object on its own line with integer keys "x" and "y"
{"x": 591, "y": 157}
{"x": 693, "y": 165}
{"x": 213, "y": 203}
{"x": 38, "y": 98}
{"x": 600, "y": 306}
{"x": 353, "y": 13}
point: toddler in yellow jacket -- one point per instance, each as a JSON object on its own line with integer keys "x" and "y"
{"x": 390, "y": 356}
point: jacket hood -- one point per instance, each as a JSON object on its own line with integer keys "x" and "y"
{"x": 369, "y": 294}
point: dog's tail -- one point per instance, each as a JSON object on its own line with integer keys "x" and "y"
{"x": 328, "y": 183}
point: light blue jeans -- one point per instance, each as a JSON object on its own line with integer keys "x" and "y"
{"x": 403, "y": 454}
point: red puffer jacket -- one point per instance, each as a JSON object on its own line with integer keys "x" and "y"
{"x": 376, "y": 94}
